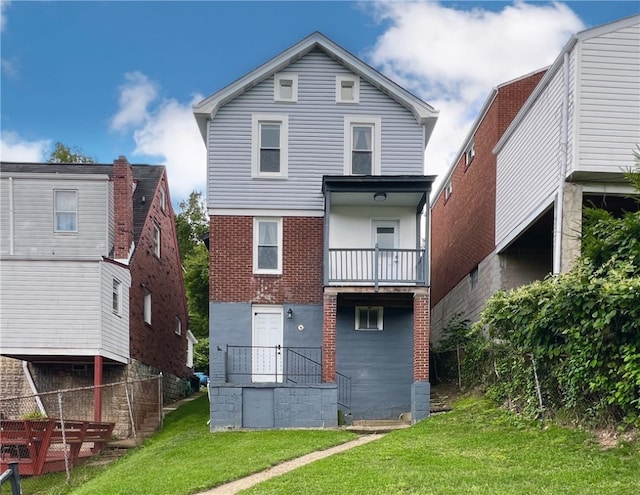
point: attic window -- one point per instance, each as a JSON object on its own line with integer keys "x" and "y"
{"x": 469, "y": 154}
{"x": 163, "y": 199}
{"x": 347, "y": 89}
{"x": 285, "y": 87}
{"x": 448, "y": 190}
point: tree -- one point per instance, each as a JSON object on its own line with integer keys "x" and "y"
{"x": 192, "y": 223}
{"x": 65, "y": 154}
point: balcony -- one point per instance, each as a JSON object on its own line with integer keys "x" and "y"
{"x": 377, "y": 266}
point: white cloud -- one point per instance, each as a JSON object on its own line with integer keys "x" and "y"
{"x": 135, "y": 96}
{"x": 3, "y": 15}
{"x": 166, "y": 131}
{"x": 15, "y": 149}
{"x": 452, "y": 58}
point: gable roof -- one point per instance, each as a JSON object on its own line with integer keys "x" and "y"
{"x": 146, "y": 178}
{"x": 424, "y": 113}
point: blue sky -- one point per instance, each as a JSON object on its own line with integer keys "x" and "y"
{"x": 119, "y": 78}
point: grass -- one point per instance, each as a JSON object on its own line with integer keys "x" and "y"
{"x": 476, "y": 449}
{"x": 185, "y": 458}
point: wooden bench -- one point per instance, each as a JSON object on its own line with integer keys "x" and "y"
{"x": 40, "y": 446}
{"x": 25, "y": 441}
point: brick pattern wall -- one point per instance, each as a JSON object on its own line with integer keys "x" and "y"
{"x": 231, "y": 262}
{"x": 329, "y": 338}
{"x": 421, "y": 337}
{"x": 463, "y": 226}
{"x": 123, "y": 207}
{"x": 157, "y": 344}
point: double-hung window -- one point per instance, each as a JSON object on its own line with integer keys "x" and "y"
{"x": 269, "y": 158}
{"x": 156, "y": 240}
{"x": 65, "y": 210}
{"x": 117, "y": 297}
{"x": 362, "y": 145}
{"x": 267, "y": 245}
{"x": 147, "y": 306}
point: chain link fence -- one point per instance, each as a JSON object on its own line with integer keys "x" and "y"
{"x": 57, "y": 431}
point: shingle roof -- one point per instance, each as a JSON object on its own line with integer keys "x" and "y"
{"x": 145, "y": 176}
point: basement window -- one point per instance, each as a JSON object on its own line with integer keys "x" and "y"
{"x": 369, "y": 318}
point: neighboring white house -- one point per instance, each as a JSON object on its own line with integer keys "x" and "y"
{"x": 567, "y": 148}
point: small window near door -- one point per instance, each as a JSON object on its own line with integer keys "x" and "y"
{"x": 369, "y": 318}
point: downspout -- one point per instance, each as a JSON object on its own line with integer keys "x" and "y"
{"x": 11, "y": 219}
{"x": 564, "y": 149}
{"x": 32, "y": 385}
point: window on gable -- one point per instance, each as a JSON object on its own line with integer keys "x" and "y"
{"x": 469, "y": 154}
{"x": 362, "y": 146}
{"x": 270, "y": 141}
{"x": 116, "y": 303}
{"x": 65, "y": 210}
{"x": 285, "y": 87}
{"x": 448, "y": 190}
{"x": 178, "y": 326}
{"x": 347, "y": 89}
{"x": 267, "y": 245}
{"x": 147, "y": 306}
{"x": 156, "y": 240}
{"x": 368, "y": 318}
{"x": 163, "y": 199}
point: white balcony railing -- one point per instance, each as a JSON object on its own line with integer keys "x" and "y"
{"x": 377, "y": 266}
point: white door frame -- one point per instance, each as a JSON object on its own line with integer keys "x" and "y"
{"x": 266, "y": 363}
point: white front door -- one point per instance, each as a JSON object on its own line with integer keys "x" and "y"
{"x": 385, "y": 235}
{"x": 266, "y": 354}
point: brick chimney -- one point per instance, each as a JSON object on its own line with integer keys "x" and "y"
{"x": 123, "y": 207}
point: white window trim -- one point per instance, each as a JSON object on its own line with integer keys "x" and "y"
{"x": 376, "y": 122}
{"x": 265, "y": 271}
{"x": 157, "y": 242}
{"x": 448, "y": 190}
{"x": 178, "y": 328}
{"x": 356, "y": 88}
{"x": 117, "y": 289}
{"x": 256, "y": 120}
{"x": 470, "y": 154}
{"x": 163, "y": 199}
{"x": 277, "y": 96}
{"x": 380, "y": 312}
{"x": 147, "y": 306}
{"x": 55, "y": 212}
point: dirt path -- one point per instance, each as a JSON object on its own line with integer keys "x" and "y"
{"x": 285, "y": 467}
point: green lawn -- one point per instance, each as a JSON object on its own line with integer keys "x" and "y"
{"x": 186, "y": 458}
{"x": 476, "y": 449}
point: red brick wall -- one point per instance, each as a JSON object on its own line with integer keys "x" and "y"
{"x": 463, "y": 227}
{"x": 421, "y": 337}
{"x": 157, "y": 344}
{"x": 231, "y": 262}
{"x": 330, "y": 309}
{"x": 123, "y": 207}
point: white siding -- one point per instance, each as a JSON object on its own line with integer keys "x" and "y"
{"x": 51, "y": 308}
{"x": 529, "y": 164}
{"x": 33, "y": 218}
{"x": 351, "y": 226}
{"x": 609, "y": 94}
{"x": 115, "y": 328}
{"x": 316, "y": 134}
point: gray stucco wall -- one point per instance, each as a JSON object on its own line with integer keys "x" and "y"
{"x": 379, "y": 363}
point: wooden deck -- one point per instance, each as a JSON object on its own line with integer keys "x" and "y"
{"x": 44, "y": 446}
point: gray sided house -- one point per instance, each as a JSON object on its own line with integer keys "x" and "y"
{"x": 91, "y": 281}
{"x": 319, "y": 282}
{"x": 567, "y": 147}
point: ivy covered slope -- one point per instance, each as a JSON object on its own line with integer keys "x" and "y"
{"x": 578, "y": 333}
